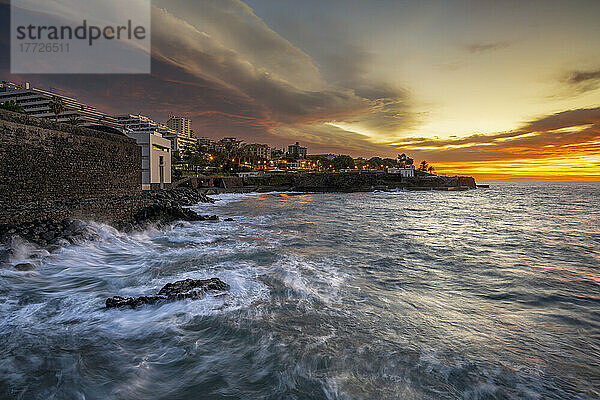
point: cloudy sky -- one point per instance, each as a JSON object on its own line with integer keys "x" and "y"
{"x": 496, "y": 89}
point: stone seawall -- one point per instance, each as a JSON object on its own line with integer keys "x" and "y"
{"x": 108, "y": 209}
{"x": 355, "y": 182}
{"x": 55, "y": 170}
{"x": 43, "y": 160}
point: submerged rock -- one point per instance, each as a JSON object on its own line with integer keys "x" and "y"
{"x": 185, "y": 289}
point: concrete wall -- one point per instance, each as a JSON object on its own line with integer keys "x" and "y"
{"x": 160, "y": 148}
{"x": 153, "y": 147}
{"x": 45, "y": 161}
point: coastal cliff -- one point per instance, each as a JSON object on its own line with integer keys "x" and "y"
{"x": 354, "y": 182}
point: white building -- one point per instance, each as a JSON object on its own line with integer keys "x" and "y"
{"x": 156, "y": 158}
{"x": 406, "y": 172}
{"x": 178, "y": 142}
{"x": 36, "y": 102}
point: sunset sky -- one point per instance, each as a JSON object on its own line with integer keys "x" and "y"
{"x": 493, "y": 89}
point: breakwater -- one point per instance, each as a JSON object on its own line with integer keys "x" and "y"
{"x": 329, "y": 183}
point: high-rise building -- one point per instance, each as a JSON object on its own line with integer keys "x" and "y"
{"x": 180, "y": 124}
{"x": 37, "y": 103}
{"x": 141, "y": 123}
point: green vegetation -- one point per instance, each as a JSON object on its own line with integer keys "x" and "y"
{"x": 231, "y": 158}
{"x": 425, "y": 167}
{"x": 404, "y": 161}
{"x": 13, "y": 106}
{"x": 56, "y": 106}
{"x": 74, "y": 120}
{"x": 343, "y": 162}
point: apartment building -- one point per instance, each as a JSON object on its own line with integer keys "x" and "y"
{"x": 37, "y": 103}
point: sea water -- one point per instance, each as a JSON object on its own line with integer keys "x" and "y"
{"x": 485, "y": 294}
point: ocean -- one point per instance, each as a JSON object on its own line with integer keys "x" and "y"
{"x": 485, "y": 294}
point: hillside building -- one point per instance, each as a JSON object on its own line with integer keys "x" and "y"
{"x": 37, "y": 103}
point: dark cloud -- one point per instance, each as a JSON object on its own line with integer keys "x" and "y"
{"x": 583, "y": 81}
{"x": 483, "y": 47}
{"x": 183, "y": 46}
{"x": 235, "y": 26}
{"x": 236, "y": 77}
{"x": 577, "y": 77}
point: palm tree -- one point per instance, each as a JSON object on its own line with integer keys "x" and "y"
{"x": 430, "y": 169}
{"x": 423, "y": 166}
{"x": 74, "y": 119}
{"x": 56, "y": 106}
{"x": 404, "y": 160}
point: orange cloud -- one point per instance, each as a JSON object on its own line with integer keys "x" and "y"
{"x": 564, "y": 146}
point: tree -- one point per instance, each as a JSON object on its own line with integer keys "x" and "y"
{"x": 74, "y": 119}
{"x": 13, "y": 106}
{"x": 343, "y": 162}
{"x": 390, "y": 163}
{"x": 424, "y": 166}
{"x": 404, "y": 160}
{"x": 376, "y": 163}
{"x": 56, "y": 106}
{"x": 196, "y": 160}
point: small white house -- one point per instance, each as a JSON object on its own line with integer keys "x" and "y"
{"x": 156, "y": 158}
{"x": 405, "y": 172}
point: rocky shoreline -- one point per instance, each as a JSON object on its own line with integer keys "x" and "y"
{"x": 160, "y": 209}
{"x": 157, "y": 208}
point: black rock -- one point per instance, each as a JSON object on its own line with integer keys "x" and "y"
{"x": 189, "y": 285}
{"x": 228, "y": 219}
{"x": 25, "y": 267}
{"x": 133, "y": 302}
{"x": 48, "y": 236}
{"x": 186, "y": 289}
{"x": 53, "y": 248}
